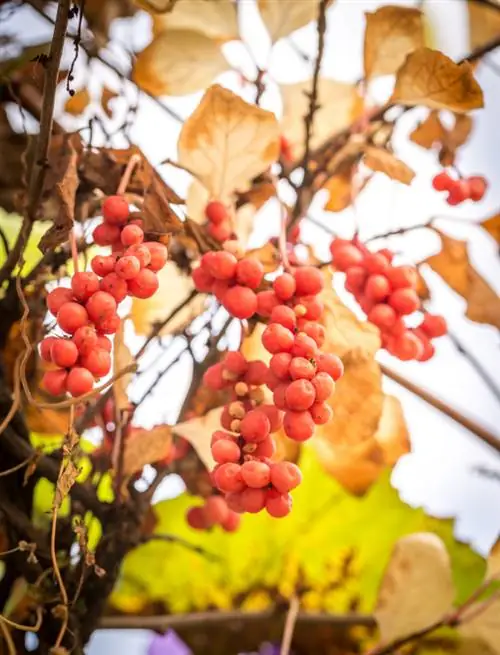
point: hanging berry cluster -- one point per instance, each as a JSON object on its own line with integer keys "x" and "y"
{"x": 387, "y": 294}
{"x": 215, "y": 511}
{"x": 87, "y": 311}
{"x": 219, "y": 221}
{"x": 465, "y": 188}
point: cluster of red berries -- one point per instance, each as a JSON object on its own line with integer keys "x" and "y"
{"x": 87, "y": 311}
{"x": 470, "y": 188}
{"x": 214, "y": 512}
{"x": 233, "y": 281}
{"x": 301, "y": 377}
{"x": 387, "y": 293}
{"x": 219, "y": 221}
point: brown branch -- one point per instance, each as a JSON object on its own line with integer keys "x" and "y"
{"x": 173, "y": 539}
{"x": 469, "y": 424}
{"x": 39, "y": 166}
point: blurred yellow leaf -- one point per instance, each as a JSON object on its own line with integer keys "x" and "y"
{"x": 122, "y": 357}
{"x": 146, "y": 447}
{"x": 174, "y": 288}
{"x": 77, "y": 103}
{"x": 196, "y": 201}
{"x": 339, "y": 189}
{"x": 106, "y": 97}
{"x": 431, "y": 132}
{"x": 284, "y": 17}
{"x": 452, "y": 264}
{"x": 177, "y": 63}
{"x": 198, "y": 431}
{"x": 339, "y": 105}
{"x": 420, "y": 563}
{"x": 492, "y": 226}
{"x": 484, "y": 23}
{"x": 226, "y": 142}
{"x": 430, "y": 78}
{"x": 484, "y": 624}
{"x": 392, "y": 432}
{"x": 391, "y": 34}
{"x": 382, "y": 161}
{"x": 157, "y": 6}
{"x": 216, "y": 19}
{"x": 493, "y": 568}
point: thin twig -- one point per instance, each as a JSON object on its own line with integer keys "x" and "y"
{"x": 291, "y": 620}
{"x": 173, "y": 539}
{"x": 7, "y": 636}
{"x": 17, "y": 467}
{"x": 476, "y": 364}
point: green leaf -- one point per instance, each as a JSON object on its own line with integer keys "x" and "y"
{"x": 334, "y": 543}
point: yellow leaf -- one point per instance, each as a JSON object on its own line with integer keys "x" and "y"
{"x": 226, "y": 142}
{"x": 430, "y": 78}
{"x": 420, "y": 563}
{"x": 339, "y": 105}
{"x": 157, "y": 6}
{"x": 198, "y": 431}
{"x": 382, "y": 161}
{"x": 391, "y": 34}
{"x": 122, "y": 357}
{"x": 492, "y": 226}
{"x": 339, "y": 189}
{"x": 146, "y": 447}
{"x": 196, "y": 201}
{"x": 178, "y": 63}
{"x": 106, "y": 97}
{"x": 392, "y": 433}
{"x": 77, "y": 103}
{"x": 216, "y": 19}
{"x": 285, "y": 16}
{"x": 174, "y": 288}
{"x": 452, "y": 264}
{"x": 483, "y": 625}
{"x": 431, "y": 132}
{"x": 493, "y": 567}
{"x": 484, "y": 23}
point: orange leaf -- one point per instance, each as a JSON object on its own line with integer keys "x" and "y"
{"x": 77, "y": 103}
{"x": 106, "y": 97}
{"x": 382, "y": 161}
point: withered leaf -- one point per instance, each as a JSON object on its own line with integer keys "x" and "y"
{"x": 198, "y": 431}
{"x": 492, "y": 226}
{"x": 157, "y": 6}
{"x": 493, "y": 569}
{"x": 483, "y": 624}
{"x": 391, "y": 34}
{"x": 107, "y": 96}
{"x": 284, "y": 17}
{"x": 65, "y": 195}
{"x": 484, "y": 23}
{"x": 383, "y": 161}
{"x": 216, "y": 19}
{"x": 392, "y": 432}
{"x": 453, "y": 265}
{"x": 99, "y": 16}
{"x": 65, "y": 481}
{"x": 431, "y": 132}
{"x": 122, "y": 358}
{"x": 177, "y": 63}
{"x": 419, "y": 562}
{"x": 258, "y": 194}
{"x": 339, "y": 189}
{"x": 146, "y": 447}
{"x": 430, "y": 78}
{"x": 78, "y": 102}
{"x": 157, "y": 215}
{"x": 267, "y": 255}
{"x": 226, "y": 142}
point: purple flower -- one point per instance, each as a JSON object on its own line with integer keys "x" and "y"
{"x": 168, "y": 644}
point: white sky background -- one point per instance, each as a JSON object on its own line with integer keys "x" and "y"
{"x": 439, "y": 474}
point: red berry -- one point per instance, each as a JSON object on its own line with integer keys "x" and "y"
{"x": 314, "y": 307}
{"x": 301, "y": 369}
{"x": 316, "y": 331}
{"x": 226, "y": 451}
{"x": 71, "y": 316}
{"x": 141, "y": 252}
{"x": 115, "y": 286}
{"x": 106, "y": 234}
{"x": 216, "y": 510}
{"x": 45, "y": 348}
{"x": 79, "y": 381}
{"x": 285, "y": 149}
{"x": 274, "y": 416}
{"x": 256, "y": 373}
{"x": 300, "y": 395}
{"x": 347, "y": 256}
{"x": 84, "y": 285}
{"x": 477, "y": 187}
{"x": 277, "y": 338}
{"x": 253, "y": 500}
{"x": 428, "y": 349}
{"x": 249, "y": 272}
{"x": 255, "y": 426}
{"x": 458, "y": 192}
{"x": 228, "y": 478}
{"x": 355, "y": 278}
{"x": 196, "y": 519}
{"x": 232, "y": 522}
{"x": 98, "y": 362}
{"x": 266, "y": 301}
{"x": 434, "y": 326}
{"x": 104, "y": 343}
{"x": 299, "y": 426}
{"x": 235, "y": 363}
{"x": 279, "y": 395}
{"x": 132, "y": 235}
{"x": 127, "y": 267}
{"x": 103, "y": 265}
{"x": 202, "y": 280}
{"x": 64, "y": 353}
{"x": 321, "y": 413}
{"x": 441, "y": 181}
{"x": 216, "y": 212}
{"x": 376, "y": 263}
{"x": 280, "y": 364}
{"x": 383, "y": 316}
{"x": 222, "y": 265}
{"x": 55, "y": 382}
{"x": 144, "y": 285}
{"x": 304, "y": 346}
{"x": 331, "y": 364}
{"x": 108, "y": 324}
{"x": 85, "y": 339}
{"x": 402, "y": 277}
{"x": 115, "y": 210}
{"x": 266, "y": 448}
{"x": 284, "y": 286}
{"x": 159, "y": 255}
{"x": 57, "y": 298}
{"x": 213, "y": 379}
{"x": 100, "y": 306}
{"x": 308, "y": 280}
{"x": 407, "y": 346}
{"x": 285, "y": 316}
{"x": 377, "y": 287}
{"x": 323, "y": 385}
{"x": 221, "y": 232}
{"x": 285, "y": 476}
{"x": 219, "y": 289}
{"x": 278, "y": 505}
{"x": 256, "y": 474}
{"x": 240, "y": 302}
{"x": 404, "y": 301}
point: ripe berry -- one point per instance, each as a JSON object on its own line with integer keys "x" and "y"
{"x": 285, "y": 316}
{"x": 127, "y": 267}
{"x": 71, "y": 316}
{"x": 256, "y": 373}
{"x": 299, "y": 426}
{"x": 232, "y": 522}
{"x": 407, "y": 346}
{"x": 249, "y": 272}
{"x": 383, "y": 316}
{"x": 84, "y": 285}
{"x": 55, "y": 382}
{"x": 216, "y": 212}
{"x": 221, "y": 232}
{"x": 115, "y": 210}
{"x": 285, "y": 149}
{"x": 314, "y": 330}
{"x": 108, "y": 324}
{"x": 106, "y": 234}
{"x": 280, "y": 364}
{"x": 98, "y": 362}
{"x": 347, "y": 256}
{"x": 301, "y": 368}
{"x": 235, "y": 362}
{"x": 144, "y": 284}
{"x": 285, "y": 476}
{"x": 308, "y": 280}
{"x": 458, "y": 192}
{"x": 103, "y": 265}
{"x": 132, "y": 235}
{"x": 323, "y": 385}
{"x": 115, "y": 286}
{"x": 331, "y": 364}
{"x": 313, "y": 306}
{"x": 441, "y": 181}
{"x": 477, "y": 187}
{"x": 279, "y": 395}
{"x": 355, "y": 279}
{"x": 253, "y": 500}
{"x": 266, "y": 448}
{"x": 64, "y": 353}
{"x": 255, "y": 426}
{"x": 226, "y": 451}
{"x": 216, "y": 510}
{"x": 100, "y": 305}
{"x": 159, "y": 255}
{"x": 274, "y": 416}
{"x": 304, "y": 346}
{"x": 377, "y": 287}
{"x": 202, "y": 280}
{"x": 196, "y": 518}
{"x": 228, "y": 478}
{"x": 434, "y": 326}
{"x": 266, "y": 301}
{"x": 104, "y": 343}
{"x": 284, "y": 286}
{"x": 79, "y": 381}
{"x": 376, "y": 263}
{"x": 300, "y": 395}
{"x": 57, "y": 298}
{"x": 321, "y": 413}
{"x": 141, "y": 252}
{"x": 222, "y": 265}
{"x": 240, "y": 302}
{"x": 46, "y": 348}
{"x": 277, "y": 338}
{"x": 85, "y": 339}
{"x": 219, "y": 289}
{"x": 404, "y": 301}
{"x": 402, "y": 277}
{"x": 256, "y": 474}
{"x": 278, "y": 505}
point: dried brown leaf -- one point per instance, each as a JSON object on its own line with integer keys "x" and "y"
{"x": 157, "y": 6}
{"x": 452, "y": 264}
{"x": 267, "y": 255}
{"x": 146, "y": 447}
{"x": 382, "y": 161}
{"x": 284, "y": 17}
{"x": 157, "y": 215}
{"x": 339, "y": 189}
{"x": 67, "y": 478}
{"x": 493, "y": 569}
{"x": 492, "y": 226}
{"x": 216, "y": 19}
{"x": 77, "y": 103}
{"x": 484, "y": 625}
{"x": 122, "y": 358}
{"x": 226, "y": 142}
{"x": 258, "y": 194}
{"x": 391, "y": 34}
{"x": 392, "y": 433}
{"x": 431, "y": 132}
{"x": 430, "y": 78}
{"x": 198, "y": 431}
{"x": 106, "y": 97}
{"x": 484, "y": 23}
{"x": 177, "y": 63}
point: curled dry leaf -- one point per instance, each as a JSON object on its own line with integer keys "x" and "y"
{"x": 258, "y": 194}
{"x": 177, "y": 63}
{"x": 198, "y": 431}
{"x": 492, "y": 226}
{"x": 77, "y": 103}
{"x": 392, "y": 432}
{"x": 284, "y": 17}
{"x": 174, "y": 287}
{"x": 431, "y": 132}
{"x": 122, "y": 358}
{"x": 383, "y": 161}
{"x": 106, "y": 97}
{"x": 420, "y": 563}
{"x": 430, "y": 78}
{"x": 226, "y": 142}
{"x": 67, "y": 478}
{"x": 215, "y": 19}
{"x": 484, "y": 23}
{"x": 391, "y": 34}
{"x": 484, "y": 625}
{"x": 146, "y": 447}
{"x": 339, "y": 106}
{"x": 453, "y": 265}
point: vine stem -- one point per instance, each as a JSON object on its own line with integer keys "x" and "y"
{"x": 127, "y": 174}
{"x": 74, "y": 250}
{"x": 8, "y": 637}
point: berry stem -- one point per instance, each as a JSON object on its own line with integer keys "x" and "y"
{"x": 282, "y": 243}
{"x": 74, "y": 250}
{"x": 127, "y": 174}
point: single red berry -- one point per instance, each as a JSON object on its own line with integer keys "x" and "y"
{"x": 85, "y": 339}
{"x": 196, "y": 519}
{"x": 222, "y": 266}
{"x": 132, "y": 235}
{"x": 213, "y": 379}
{"x": 278, "y": 505}
{"x": 442, "y": 181}
{"x": 284, "y": 286}
{"x": 331, "y": 364}
{"x": 253, "y": 500}
{"x": 103, "y": 265}
{"x": 256, "y": 373}
{"x": 106, "y": 234}
{"x": 57, "y": 298}
{"x": 228, "y": 478}
{"x": 216, "y": 510}
{"x": 376, "y": 264}
{"x": 98, "y": 362}
{"x": 300, "y": 395}
{"x": 383, "y": 316}
{"x": 55, "y": 382}
{"x": 144, "y": 285}
{"x": 308, "y": 280}
{"x": 256, "y": 474}
{"x": 321, "y": 413}
{"x": 249, "y": 272}
{"x": 216, "y": 212}
{"x": 71, "y": 316}
{"x": 402, "y": 277}
{"x": 100, "y": 305}
{"x": 285, "y": 316}
{"x": 404, "y": 301}
{"x": 304, "y": 346}
{"x": 314, "y": 330}
{"x": 279, "y": 395}
{"x": 159, "y": 255}
{"x": 220, "y": 232}
{"x": 232, "y": 522}
{"x": 285, "y": 149}
{"x": 355, "y": 279}
{"x": 226, "y": 451}
{"x": 127, "y": 267}
{"x": 277, "y": 338}
{"x": 274, "y": 416}
{"x": 377, "y": 287}
{"x": 115, "y": 286}
{"x": 141, "y": 252}
{"x": 407, "y": 346}
{"x": 323, "y": 385}
{"x": 280, "y": 365}
{"x": 298, "y": 426}
{"x": 115, "y": 210}
{"x": 477, "y": 187}
{"x": 266, "y": 448}
{"x": 235, "y": 363}
{"x": 285, "y": 476}
{"x": 458, "y": 192}
{"x": 219, "y": 289}
{"x": 428, "y": 349}
{"x": 240, "y": 302}
{"x": 108, "y": 324}
{"x": 84, "y": 285}
{"x": 79, "y": 381}
{"x": 104, "y": 343}
{"x": 346, "y": 256}
{"x": 202, "y": 280}
{"x": 313, "y": 306}
{"x": 434, "y": 325}
{"x": 255, "y": 426}
{"x": 45, "y": 348}
{"x": 301, "y": 368}
{"x": 64, "y": 353}
{"x": 266, "y": 301}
